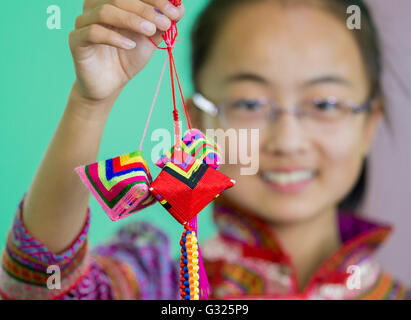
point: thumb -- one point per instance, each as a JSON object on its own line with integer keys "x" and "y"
{"x": 158, "y": 37}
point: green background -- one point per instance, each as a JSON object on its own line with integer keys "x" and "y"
{"x": 36, "y": 76}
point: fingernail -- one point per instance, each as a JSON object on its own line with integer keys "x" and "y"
{"x": 127, "y": 43}
{"x": 148, "y": 27}
{"x": 163, "y": 21}
{"x": 158, "y": 11}
{"x": 172, "y": 10}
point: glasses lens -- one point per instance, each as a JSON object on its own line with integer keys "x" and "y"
{"x": 324, "y": 110}
{"x": 247, "y": 113}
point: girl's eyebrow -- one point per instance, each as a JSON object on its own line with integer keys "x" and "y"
{"x": 246, "y": 76}
{"x": 327, "y": 79}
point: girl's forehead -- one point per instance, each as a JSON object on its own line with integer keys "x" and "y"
{"x": 285, "y": 44}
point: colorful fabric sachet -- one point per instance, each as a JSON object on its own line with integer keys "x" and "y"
{"x": 196, "y": 144}
{"x": 186, "y": 185}
{"x": 120, "y": 185}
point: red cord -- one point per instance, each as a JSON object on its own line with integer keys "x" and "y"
{"x": 170, "y": 54}
{"x": 170, "y": 37}
{"x": 181, "y": 93}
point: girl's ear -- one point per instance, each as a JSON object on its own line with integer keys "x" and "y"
{"x": 372, "y": 122}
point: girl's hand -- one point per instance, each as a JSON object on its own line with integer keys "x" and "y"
{"x": 110, "y": 45}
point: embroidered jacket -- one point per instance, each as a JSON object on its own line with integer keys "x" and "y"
{"x": 243, "y": 261}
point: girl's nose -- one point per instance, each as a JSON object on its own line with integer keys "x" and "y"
{"x": 285, "y": 136}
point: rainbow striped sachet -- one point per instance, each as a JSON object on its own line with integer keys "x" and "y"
{"x": 120, "y": 185}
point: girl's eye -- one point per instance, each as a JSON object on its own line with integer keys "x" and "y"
{"x": 247, "y": 105}
{"x": 325, "y": 105}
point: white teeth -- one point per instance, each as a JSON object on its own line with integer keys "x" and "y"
{"x": 284, "y": 178}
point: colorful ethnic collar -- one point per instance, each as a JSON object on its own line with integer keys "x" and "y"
{"x": 360, "y": 238}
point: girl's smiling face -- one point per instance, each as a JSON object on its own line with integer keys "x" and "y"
{"x": 290, "y": 54}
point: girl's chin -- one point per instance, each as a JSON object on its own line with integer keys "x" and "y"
{"x": 277, "y": 208}
{"x": 284, "y": 211}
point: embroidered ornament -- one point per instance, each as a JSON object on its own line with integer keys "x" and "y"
{"x": 183, "y": 202}
{"x": 196, "y": 144}
{"x": 186, "y": 185}
{"x": 120, "y": 184}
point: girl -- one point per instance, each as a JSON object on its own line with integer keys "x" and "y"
{"x": 289, "y": 68}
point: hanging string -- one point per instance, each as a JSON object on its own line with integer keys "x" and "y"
{"x": 181, "y": 93}
{"x": 169, "y": 38}
{"x": 170, "y": 55}
{"x": 152, "y": 105}
{"x": 177, "y": 130}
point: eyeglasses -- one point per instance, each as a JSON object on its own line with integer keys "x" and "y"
{"x": 260, "y": 112}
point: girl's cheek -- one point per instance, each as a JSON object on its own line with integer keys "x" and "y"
{"x": 341, "y": 158}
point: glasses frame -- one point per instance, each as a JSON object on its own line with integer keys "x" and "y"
{"x": 214, "y": 110}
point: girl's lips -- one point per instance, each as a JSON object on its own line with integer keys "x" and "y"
{"x": 288, "y": 181}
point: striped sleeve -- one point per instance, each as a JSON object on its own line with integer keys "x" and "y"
{"x": 142, "y": 250}
{"x": 134, "y": 264}
{"x": 30, "y": 271}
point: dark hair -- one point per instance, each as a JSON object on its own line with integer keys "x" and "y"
{"x": 212, "y": 19}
